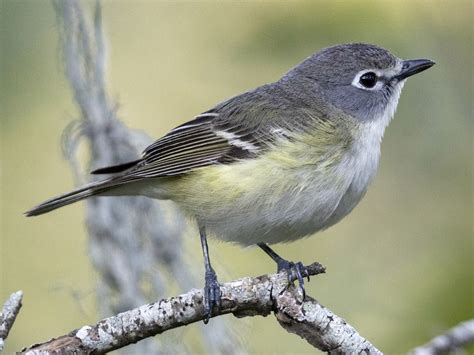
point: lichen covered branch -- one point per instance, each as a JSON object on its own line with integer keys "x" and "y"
{"x": 249, "y": 296}
{"x": 10, "y": 310}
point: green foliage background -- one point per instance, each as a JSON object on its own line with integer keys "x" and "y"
{"x": 400, "y": 267}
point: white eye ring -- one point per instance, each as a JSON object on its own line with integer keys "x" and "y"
{"x": 356, "y": 82}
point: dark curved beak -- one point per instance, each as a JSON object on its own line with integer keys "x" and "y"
{"x": 412, "y": 67}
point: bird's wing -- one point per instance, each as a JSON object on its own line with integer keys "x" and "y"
{"x": 200, "y": 142}
{"x": 240, "y": 128}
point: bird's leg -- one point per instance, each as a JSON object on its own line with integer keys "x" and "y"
{"x": 296, "y": 271}
{"x": 212, "y": 291}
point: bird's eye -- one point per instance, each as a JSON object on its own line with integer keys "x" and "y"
{"x": 368, "y": 80}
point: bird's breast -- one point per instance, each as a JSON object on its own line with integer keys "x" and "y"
{"x": 282, "y": 195}
{"x": 363, "y": 162}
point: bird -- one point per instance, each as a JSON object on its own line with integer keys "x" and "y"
{"x": 273, "y": 164}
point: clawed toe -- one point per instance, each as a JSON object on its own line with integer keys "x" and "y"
{"x": 212, "y": 289}
{"x": 296, "y": 271}
{"x": 212, "y": 295}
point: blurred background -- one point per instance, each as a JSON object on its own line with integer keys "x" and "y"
{"x": 400, "y": 267}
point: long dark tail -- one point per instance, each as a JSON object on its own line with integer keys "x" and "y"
{"x": 81, "y": 193}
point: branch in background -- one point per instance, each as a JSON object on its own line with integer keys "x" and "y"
{"x": 454, "y": 339}
{"x": 10, "y": 310}
{"x": 136, "y": 244}
{"x": 249, "y": 296}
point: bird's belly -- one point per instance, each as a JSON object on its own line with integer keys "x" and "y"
{"x": 262, "y": 200}
{"x": 282, "y": 220}
{"x": 295, "y": 216}
{"x": 248, "y": 204}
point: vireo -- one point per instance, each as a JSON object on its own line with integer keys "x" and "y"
{"x": 276, "y": 163}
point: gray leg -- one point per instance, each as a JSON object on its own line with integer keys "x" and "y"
{"x": 212, "y": 291}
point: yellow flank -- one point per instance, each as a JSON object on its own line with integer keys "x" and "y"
{"x": 288, "y": 166}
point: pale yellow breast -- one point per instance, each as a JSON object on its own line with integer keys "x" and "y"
{"x": 287, "y": 192}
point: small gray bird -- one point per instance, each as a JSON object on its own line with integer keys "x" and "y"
{"x": 276, "y": 163}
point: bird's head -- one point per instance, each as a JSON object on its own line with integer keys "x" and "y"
{"x": 362, "y": 80}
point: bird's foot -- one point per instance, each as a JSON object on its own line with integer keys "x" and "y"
{"x": 296, "y": 271}
{"x": 212, "y": 294}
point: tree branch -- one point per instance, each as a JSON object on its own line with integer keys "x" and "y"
{"x": 10, "y": 310}
{"x": 249, "y": 296}
{"x": 454, "y": 339}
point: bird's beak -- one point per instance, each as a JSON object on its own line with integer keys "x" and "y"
{"x": 412, "y": 67}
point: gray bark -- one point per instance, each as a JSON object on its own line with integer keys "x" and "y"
{"x": 249, "y": 296}
{"x": 10, "y": 310}
{"x": 454, "y": 339}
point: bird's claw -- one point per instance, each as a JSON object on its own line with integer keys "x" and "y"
{"x": 212, "y": 295}
{"x": 296, "y": 271}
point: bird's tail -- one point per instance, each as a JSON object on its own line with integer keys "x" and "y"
{"x": 81, "y": 193}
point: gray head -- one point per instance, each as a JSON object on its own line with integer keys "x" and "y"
{"x": 361, "y": 79}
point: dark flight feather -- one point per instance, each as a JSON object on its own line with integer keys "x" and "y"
{"x": 115, "y": 168}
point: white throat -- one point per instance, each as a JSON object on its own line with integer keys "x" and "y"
{"x": 376, "y": 127}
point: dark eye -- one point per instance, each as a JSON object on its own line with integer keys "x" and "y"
{"x": 368, "y": 80}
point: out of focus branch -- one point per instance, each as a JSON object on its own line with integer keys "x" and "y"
{"x": 10, "y": 310}
{"x": 249, "y": 296}
{"x": 454, "y": 339}
{"x": 135, "y": 245}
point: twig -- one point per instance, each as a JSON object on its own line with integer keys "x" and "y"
{"x": 10, "y": 310}
{"x": 455, "y": 338}
{"x": 249, "y": 296}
